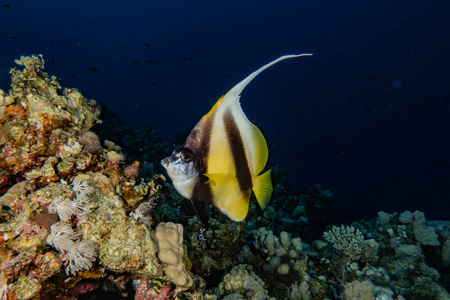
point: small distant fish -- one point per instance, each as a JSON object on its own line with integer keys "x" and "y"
{"x": 73, "y": 76}
{"x": 350, "y": 101}
{"x": 93, "y": 24}
{"x": 147, "y": 45}
{"x": 222, "y": 159}
{"x": 190, "y": 58}
{"x": 154, "y": 83}
{"x": 13, "y": 37}
{"x": 124, "y": 46}
{"x": 366, "y": 75}
{"x": 135, "y": 62}
{"x": 93, "y": 69}
{"x": 7, "y": 5}
{"x": 75, "y": 40}
{"x": 52, "y": 61}
{"x": 149, "y": 61}
{"x": 185, "y": 57}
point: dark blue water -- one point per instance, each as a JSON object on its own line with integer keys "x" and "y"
{"x": 367, "y": 115}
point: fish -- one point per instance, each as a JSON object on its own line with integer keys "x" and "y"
{"x": 222, "y": 160}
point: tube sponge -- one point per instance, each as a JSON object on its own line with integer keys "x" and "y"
{"x": 169, "y": 237}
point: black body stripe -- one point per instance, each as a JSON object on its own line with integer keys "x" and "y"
{"x": 238, "y": 152}
{"x": 202, "y": 191}
{"x": 198, "y": 142}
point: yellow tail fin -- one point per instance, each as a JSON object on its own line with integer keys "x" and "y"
{"x": 262, "y": 187}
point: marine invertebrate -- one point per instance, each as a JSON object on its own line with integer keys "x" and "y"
{"x": 426, "y": 235}
{"x": 132, "y": 171}
{"x": 358, "y": 291}
{"x": 65, "y": 208}
{"x": 348, "y": 241}
{"x": 39, "y": 120}
{"x": 240, "y": 282}
{"x": 124, "y": 244}
{"x": 169, "y": 237}
{"x": 78, "y": 254}
{"x": 62, "y": 236}
{"x": 144, "y": 292}
{"x": 13, "y": 193}
{"x": 91, "y": 142}
{"x": 216, "y": 248}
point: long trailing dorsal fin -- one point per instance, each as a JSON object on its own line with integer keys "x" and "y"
{"x": 238, "y": 88}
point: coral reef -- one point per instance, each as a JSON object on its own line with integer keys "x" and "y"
{"x": 38, "y": 121}
{"x": 67, "y": 202}
{"x": 85, "y": 215}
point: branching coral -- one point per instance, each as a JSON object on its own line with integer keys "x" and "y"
{"x": 348, "y": 241}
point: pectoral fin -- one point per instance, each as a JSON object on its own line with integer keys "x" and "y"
{"x": 262, "y": 187}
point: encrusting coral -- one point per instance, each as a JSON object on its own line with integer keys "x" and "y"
{"x": 40, "y": 120}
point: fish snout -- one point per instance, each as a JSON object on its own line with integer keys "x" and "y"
{"x": 165, "y": 162}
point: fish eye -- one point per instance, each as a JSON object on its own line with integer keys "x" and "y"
{"x": 186, "y": 157}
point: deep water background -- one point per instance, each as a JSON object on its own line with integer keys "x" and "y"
{"x": 367, "y": 115}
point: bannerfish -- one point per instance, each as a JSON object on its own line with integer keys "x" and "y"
{"x": 221, "y": 161}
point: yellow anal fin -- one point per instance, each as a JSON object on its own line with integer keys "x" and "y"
{"x": 262, "y": 187}
{"x": 228, "y": 197}
{"x": 237, "y": 209}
